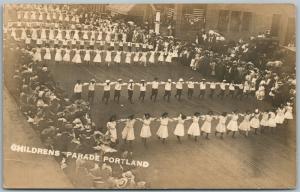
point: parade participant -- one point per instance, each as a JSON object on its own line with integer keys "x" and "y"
{"x": 91, "y": 90}
{"x": 221, "y": 126}
{"x": 162, "y": 131}
{"x": 145, "y": 131}
{"x": 106, "y": 94}
{"x": 128, "y": 131}
{"x": 245, "y": 125}
{"x": 222, "y": 89}
{"x": 97, "y": 59}
{"x": 212, "y": 89}
{"x": 118, "y": 88}
{"x": 206, "y": 126}
{"x": 143, "y": 87}
{"x": 288, "y": 112}
{"x": 264, "y": 121}
{"x": 280, "y": 116}
{"x": 202, "y": 86}
{"x": 108, "y": 58}
{"x": 191, "y": 86}
{"x": 255, "y": 122}
{"x": 231, "y": 90}
{"x": 168, "y": 89}
{"x": 77, "y": 58}
{"x": 78, "y": 90}
{"x": 154, "y": 91}
{"x": 87, "y": 56}
{"x": 111, "y": 129}
{"x": 194, "y": 129}
{"x": 233, "y": 123}
{"x": 130, "y": 89}
{"x": 179, "y": 87}
{"x": 179, "y": 129}
{"x": 272, "y": 120}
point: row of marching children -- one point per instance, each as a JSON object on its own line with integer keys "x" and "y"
{"x": 98, "y": 56}
{"x": 224, "y": 124}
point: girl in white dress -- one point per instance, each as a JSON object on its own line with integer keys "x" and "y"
{"x": 128, "y": 131}
{"x": 111, "y": 129}
{"x": 108, "y": 58}
{"x": 206, "y": 126}
{"x": 162, "y": 131}
{"x": 51, "y": 34}
{"x": 67, "y": 57}
{"x": 280, "y": 115}
{"x": 233, "y": 123}
{"x": 77, "y": 58}
{"x": 87, "y": 56}
{"x": 128, "y": 58}
{"x": 245, "y": 124}
{"x": 289, "y": 112}
{"x": 68, "y": 36}
{"x": 136, "y": 57}
{"x": 23, "y": 34}
{"x": 85, "y": 35}
{"x": 145, "y": 131}
{"x": 254, "y": 122}
{"x": 100, "y": 34}
{"x": 58, "y": 57}
{"x": 221, "y": 126}
{"x": 43, "y": 34}
{"x": 117, "y": 58}
{"x": 34, "y": 35}
{"x": 143, "y": 58}
{"x": 169, "y": 57}
{"x": 97, "y": 58}
{"x": 194, "y": 129}
{"x": 47, "y": 55}
{"x": 161, "y": 57}
{"x": 37, "y": 55}
{"x": 264, "y": 121}
{"x": 272, "y": 120}
{"x": 179, "y": 129}
{"x": 59, "y": 35}
{"x": 76, "y": 35}
{"x": 152, "y": 57}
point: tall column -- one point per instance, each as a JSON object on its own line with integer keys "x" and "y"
{"x": 178, "y": 19}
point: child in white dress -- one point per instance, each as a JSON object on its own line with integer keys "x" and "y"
{"x": 194, "y": 129}
{"x": 245, "y": 124}
{"x": 162, "y": 131}
{"x": 233, "y": 124}
{"x": 179, "y": 129}
{"x": 221, "y": 126}
{"x": 128, "y": 58}
{"x": 58, "y": 56}
{"x": 108, "y": 58}
{"x": 67, "y": 57}
{"x": 97, "y": 58}
{"x": 145, "y": 131}
{"x": 77, "y": 58}
{"x": 87, "y": 56}
{"x": 255, "y": 122}
{"x": 206, "y": 126}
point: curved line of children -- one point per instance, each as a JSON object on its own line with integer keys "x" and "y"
{"x": 227, "y": 123}
{"x": 225, "y": 89}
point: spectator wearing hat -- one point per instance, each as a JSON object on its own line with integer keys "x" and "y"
{"x": 179, "y": 87}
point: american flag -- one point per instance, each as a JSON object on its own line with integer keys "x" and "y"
{"x": 170, "y": 13}
{"x": 198, "y": 14}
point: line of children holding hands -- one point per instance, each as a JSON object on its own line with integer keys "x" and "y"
{"x": 226, "y": 124}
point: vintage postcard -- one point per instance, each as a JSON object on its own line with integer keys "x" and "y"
{"x": 149, "y": 96}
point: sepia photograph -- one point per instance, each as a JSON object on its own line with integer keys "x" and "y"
{"x": 149, "y": 96}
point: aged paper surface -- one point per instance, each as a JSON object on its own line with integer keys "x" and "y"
{"x": 149, "y": 96}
